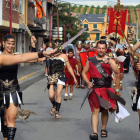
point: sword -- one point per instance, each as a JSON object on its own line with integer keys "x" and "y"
{"x": 87, "y": 94}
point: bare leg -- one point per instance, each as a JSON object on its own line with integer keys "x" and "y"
{"x": 58, "y": 100}
{"x": 104, "y": 118}
{"x": 114, "y": 81}
{"x": 66, "y": 92}
{"x": 121, "y": 77}
{"x": 59, "y": 93}
{"x": 52, "y": 99}
{"x": 95, "y": 120}
{"x": 11, "y": 114}
{"x": 117, "y": 81}
{"x": 117, "y": 84}
{"x": 71, "y": 88}
{"x": 51, "y": 93}
{"x": 66, "y": 89}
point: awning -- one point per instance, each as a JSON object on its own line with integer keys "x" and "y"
{"x": 95, "y": 31}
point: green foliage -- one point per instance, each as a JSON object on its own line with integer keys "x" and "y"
{"x": 134, "y": 41}
{"x": 85, "y": 9}
{"x": 66, "y": 19}
{"x": 136, "y": 13}
{"x": 97, "y": 9}
{"x": 138, "y": 6}
{"x": 79, "y": 9}
{"x": 73, "y": 8}
{"x": 91, "y": 9}
{"x": 104, "y": 9}
{"x": 130, "y": 20}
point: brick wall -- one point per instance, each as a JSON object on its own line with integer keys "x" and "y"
{"x": 6, "y": 13}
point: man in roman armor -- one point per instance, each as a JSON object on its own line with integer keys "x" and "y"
{"x": 101, "y": 97}
{"x": 78, "y": 50}
{"x": 87, "y": 45}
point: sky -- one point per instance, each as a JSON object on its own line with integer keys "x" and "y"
{"x": 86, "y": 2}
{"x": 108, "y": 0}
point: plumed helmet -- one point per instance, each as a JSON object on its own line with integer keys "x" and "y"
{"x": 58, "y": 43}
{"x": 79, "y": 42}
{"x": 87, "y": 42}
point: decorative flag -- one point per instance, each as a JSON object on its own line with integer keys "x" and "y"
{"x": 113, "y": 24}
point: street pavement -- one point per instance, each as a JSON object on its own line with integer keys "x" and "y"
{"x": 75, "y": 124}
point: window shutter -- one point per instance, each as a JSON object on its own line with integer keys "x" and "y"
{"x": 86, "y": 25}
{"x": 97, "y": 36}
{"x": 95, "y": 26}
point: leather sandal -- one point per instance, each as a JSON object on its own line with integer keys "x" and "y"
{"x": 94, "y": 136}
{"x": 82, "y": 86}
{"x": 57, "y": 116}
{"x": 78, "y": 86}
{"x": 103, "y": 133}
{"x": 52, "y": 111}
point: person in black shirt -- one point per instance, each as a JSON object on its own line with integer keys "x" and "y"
{"x": 10, "y": 95}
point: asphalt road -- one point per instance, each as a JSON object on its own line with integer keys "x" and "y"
{"x": 75, "y": 123}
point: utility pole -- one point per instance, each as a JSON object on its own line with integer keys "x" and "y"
{"x": 11, "y": 5}
{"x": 57, "y": 19}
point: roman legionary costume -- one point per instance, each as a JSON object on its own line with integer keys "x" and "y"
{"x": 103, "y": 95}
{"x": 56, "y": 74}
{"x": 73, "y": 63}
{"x": 77, "y": 57}
{"x": 87, "y": 43}
{"x": 10, "y": 91}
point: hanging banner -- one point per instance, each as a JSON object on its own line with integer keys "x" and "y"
{"x": 113, "y": 24}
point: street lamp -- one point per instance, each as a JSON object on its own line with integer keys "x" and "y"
{"x": 50, "y": 27}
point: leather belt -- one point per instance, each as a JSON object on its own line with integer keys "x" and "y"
{"x": 7, "y": 89}
{"x": 102, "y": 82}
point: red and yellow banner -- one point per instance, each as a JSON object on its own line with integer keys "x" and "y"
{"x": 113, "y": 24}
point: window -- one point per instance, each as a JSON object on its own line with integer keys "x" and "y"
{"x": 22, "y": 7}
{"x": 97, "y": 36}
{"x": 87, "y": 35}
{"x": 94, "y": 26}
{"x": 86, "y": 25}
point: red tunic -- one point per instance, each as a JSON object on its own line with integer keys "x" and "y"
{"x": 102, "y": 92}
{"x": 73, "y": 63}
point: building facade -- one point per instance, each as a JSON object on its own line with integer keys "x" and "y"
{"x": 95, "y": 24}
{"x": 27, "y": 9}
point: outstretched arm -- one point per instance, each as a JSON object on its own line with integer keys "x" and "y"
{"x": 15, "y": 59}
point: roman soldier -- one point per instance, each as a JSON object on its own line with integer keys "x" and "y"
{"x": 120, "y": 52}
{"x": 87, "y": 45}
{"x": 78, "y": 50}
{"x": 101, "y": 96}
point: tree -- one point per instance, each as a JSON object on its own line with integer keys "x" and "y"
{"x": 91, "y": 9}
{"x": 104, "y": 9}
{"x": 79, "y": 9}
{"x": 66, "y": 19}
{"x": 97, "y": 9}
{"x": 85, "y": 9}
{"x": 130, "y": 20}
{"x": 73, "y": 8}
